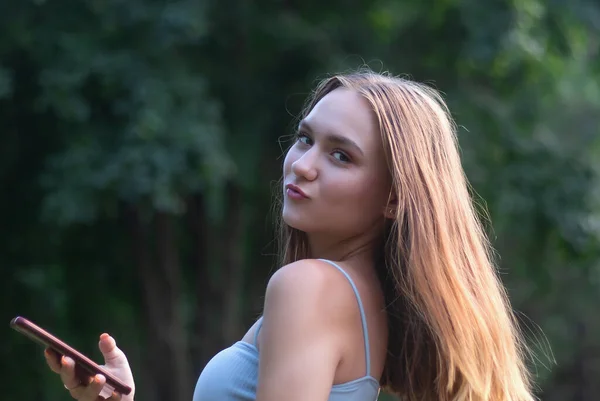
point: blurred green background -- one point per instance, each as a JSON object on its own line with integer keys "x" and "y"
{"x": 140, "y": 141}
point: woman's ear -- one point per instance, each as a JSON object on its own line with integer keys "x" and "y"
{"x": 391, "y": 209}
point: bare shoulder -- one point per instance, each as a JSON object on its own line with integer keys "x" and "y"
{"x": 312, "y": 285}
{"x": 304, "y": 320}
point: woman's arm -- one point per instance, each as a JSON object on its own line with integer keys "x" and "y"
{"x": 303, "y": 322}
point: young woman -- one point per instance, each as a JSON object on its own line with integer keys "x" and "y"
{"x": 386, "y": 277}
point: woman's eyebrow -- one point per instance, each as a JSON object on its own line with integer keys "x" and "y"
{"x": 334, "y": 139}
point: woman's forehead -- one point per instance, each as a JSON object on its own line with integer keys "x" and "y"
{"x": 344, "y": 113}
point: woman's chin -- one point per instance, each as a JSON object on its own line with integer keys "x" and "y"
{"x": 294, "y": 222}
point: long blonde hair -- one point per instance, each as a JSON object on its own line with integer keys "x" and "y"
{"x": 452, "y": 333}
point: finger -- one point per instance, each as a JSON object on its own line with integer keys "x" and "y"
{"x": 67, "y": 374}
{"x": 114, "y": 397}
{"x": 112, "y": 354}
{"x": 52, "y": 359}
{"x": 92, "y": 391}
{"x": 78, "y": 391}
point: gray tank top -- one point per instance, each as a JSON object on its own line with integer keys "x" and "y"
{"x": 232, "y": 374}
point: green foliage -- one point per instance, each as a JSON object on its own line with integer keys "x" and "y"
{"x": 176, "y": 109}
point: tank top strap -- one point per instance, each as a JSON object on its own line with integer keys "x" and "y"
{"x": 363, "y": 316}
{"x": 260, "y": 321}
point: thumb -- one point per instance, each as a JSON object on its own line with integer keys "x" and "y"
{"x": 113, "y": 356}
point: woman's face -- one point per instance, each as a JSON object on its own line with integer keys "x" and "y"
{"x": 335, "y": 176}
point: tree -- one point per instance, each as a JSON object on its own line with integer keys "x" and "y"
{"x": 141, "y": 139}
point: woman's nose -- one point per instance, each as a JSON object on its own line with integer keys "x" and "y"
{"x": 306, "y": 165}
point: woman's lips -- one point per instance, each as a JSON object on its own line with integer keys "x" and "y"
{"x": 295, "y": 192}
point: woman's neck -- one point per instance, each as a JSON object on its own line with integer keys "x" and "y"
{"x": 360, "y": 248}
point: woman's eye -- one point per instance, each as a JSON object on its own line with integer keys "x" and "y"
{"x": 341, "y": 157}
{"x": 304, "y": 139}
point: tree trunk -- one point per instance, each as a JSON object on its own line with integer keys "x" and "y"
{"x": 172, "y": 328}
{"x": 168, "y": 366}
{"x": 232, "y": 278}
{"x": 142, "y": 259}
{"x": 580, "y": 364}
{"x": 204, "y": 337}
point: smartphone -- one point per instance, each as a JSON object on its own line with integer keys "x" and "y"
{"x": 84, "y": 365}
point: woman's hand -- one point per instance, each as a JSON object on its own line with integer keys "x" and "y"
{"x": 115, "y": 362}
